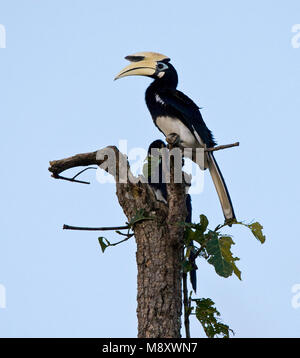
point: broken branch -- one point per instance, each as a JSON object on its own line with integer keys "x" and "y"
{"x": 109, "y": 159}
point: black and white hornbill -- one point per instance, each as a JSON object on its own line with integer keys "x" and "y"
{"x": 175, "y": 113}
{"x": 157, "y": 180}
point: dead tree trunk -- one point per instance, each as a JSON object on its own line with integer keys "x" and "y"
{"x": 159, "y": 240}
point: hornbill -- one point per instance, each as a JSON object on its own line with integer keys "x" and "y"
{"x": 175, "y": 113}
{"x": 157, "y": 180}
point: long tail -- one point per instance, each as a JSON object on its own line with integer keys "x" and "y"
{"x": 220, "y": 186}
{"x": 193, "y": 275}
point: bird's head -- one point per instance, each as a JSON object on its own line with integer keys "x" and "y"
{"x": 153, "y": 160}
{"x": 150, "y": 64}
{"x": 155, "y": 147}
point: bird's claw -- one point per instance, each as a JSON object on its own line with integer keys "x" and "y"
{"x": 173, "y": 140}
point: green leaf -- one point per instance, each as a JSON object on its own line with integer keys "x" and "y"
{"x": 189, "y": 236}
{"x": 214, "y": 249}
{"x": 103, "y": 245}
{"x": 219, "y": 249}
{"x": 225, "y": 243}
{"x": 203, "y": 223}
{"x": 256, "y": 229}
{"x": 199, "y": 237}
{"x": 208, "y": 315}
{"x": 201, "y": 227}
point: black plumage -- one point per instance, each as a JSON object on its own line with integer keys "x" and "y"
{"x": 156, "y": 177}
{"x": 169, "y": 105}
{"x": 176, "y": 104}
{"x": 175, "y": 113}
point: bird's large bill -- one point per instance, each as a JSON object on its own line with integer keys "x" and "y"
{"x": 141, "y": 68}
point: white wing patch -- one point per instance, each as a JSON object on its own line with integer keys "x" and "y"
{"x": 158, "y": 99}
{"x": 170, "y": 125}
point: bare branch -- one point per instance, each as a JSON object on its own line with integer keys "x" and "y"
{"x": 82, "y": 171}
{"x": 220, "y": 147}
{"x": 129, "y": 236}
{"x": 85, "y": 159}
{"x": 57, "y": 176}
{"x": 174, "y": 140}
{"x": 74, "y": 180}
{"x": 106, "y": 228}
{"x": 109, "y": 159}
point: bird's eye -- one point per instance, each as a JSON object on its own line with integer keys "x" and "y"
{"x": 162, "y": 66}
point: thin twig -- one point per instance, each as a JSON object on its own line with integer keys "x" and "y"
{"x": 83, "y": 170}
{"x": 119, "y": 242}
{"x": 106, "y": 228}
{"x": 219, "y": 147}
{"x": 228, "y": 222}
{"x": 198, "y": 252}
{"x": 57, "y": 176}
{"x": 122, "y": 234}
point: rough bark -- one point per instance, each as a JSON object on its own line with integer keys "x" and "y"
{"x": 159, "y": 242}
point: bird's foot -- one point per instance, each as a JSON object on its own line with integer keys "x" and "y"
{"x": 173, "y": 140}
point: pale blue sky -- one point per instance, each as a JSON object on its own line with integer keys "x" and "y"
{"x": 58, "y": 98}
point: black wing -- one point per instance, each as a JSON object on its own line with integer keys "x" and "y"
{"x": 182, "y": 107}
